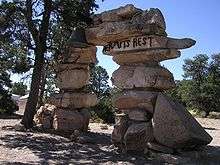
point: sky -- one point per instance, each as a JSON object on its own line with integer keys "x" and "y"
{"x": 196, "y": 19}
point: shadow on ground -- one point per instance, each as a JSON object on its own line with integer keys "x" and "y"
{"x": 13, "y": 116}
{"x": 61, "y": 151}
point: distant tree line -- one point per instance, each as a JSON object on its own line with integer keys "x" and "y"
{"x": 200, "y": 88}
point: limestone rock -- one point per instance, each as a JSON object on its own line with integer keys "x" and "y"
{"x": 175, "y": 127}
{"x": 120, "y": 128}
{"x": 70, "y": 66}
{"x": 72, "y": 79}
{"x": 145, "y": 56}
{"x": 145, "y": 43}
{"x": 136, "y": 99}
{"x": 137, "y": 114}
{"x": 119, "y": 14}
{"x": 128, "y": 77}
{"x": 74, "y": 100}
{"x": 80, "y": 55}
{"x": 115, "y": 31}
{"x": 86, "y": 116}
{"x": 137, "y": 136}
{"x": 69, "y": 120}
{"x": 44, "y": 116}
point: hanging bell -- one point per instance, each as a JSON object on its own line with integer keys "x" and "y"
{"x": 78, "y": 38}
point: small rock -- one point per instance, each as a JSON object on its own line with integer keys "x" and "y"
{"x": 104, "y": 126}
{"x": 19, "y": 127}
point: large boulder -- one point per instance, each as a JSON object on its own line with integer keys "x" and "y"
{"x": 74, "y": 100}
{"x": 125, "y": 22}
{"x": 136, "y": 100}
{"x": 175, "y": 127}
{"x": 129, "y": 77}
{"x": 157, "y": 55}
{"x": 67, "y": 120}
{"x": 72, "y": 77}
{"x": 137, "y": 136}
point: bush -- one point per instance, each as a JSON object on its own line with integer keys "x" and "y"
{"x": 103, "y": 111}
{"x": 7, "y": 105}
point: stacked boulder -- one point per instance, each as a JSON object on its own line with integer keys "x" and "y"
{"x": 146, "y": 117}
{"x": 73, "y": 100}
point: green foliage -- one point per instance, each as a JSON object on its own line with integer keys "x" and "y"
{"x": 99, "y": 81}
{"x": 99, "y": 85}
{"x": 19, "y": 89}
{"x": 201, "y": 90}
{"x": 103, "y": 110}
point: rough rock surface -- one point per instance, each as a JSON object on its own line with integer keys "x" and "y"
{"x": 146, "y": 56}
{"x": 74, "y": 100}
{"x": 125, "y": 22}
{"x": 72, "y": 79}
{"x": 69, "y": 120}
{"x": 136, "y": 99}
{"x": 137, "y": 136}
{"x": 137, "y": 114}
{"x": 147, "y": 42}
{"x": 158, "y": 147}
{"x": 120, "y": 128}
{"x": 44, "y": 116}
{"x": 175, "y": 127}
{"x": 128, "y": 77}
{"x": 80, "y": 55}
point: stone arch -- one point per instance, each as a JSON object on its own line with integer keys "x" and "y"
{"x": 137, "y": 40}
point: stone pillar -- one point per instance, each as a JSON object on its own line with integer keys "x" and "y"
{"x": 73, "y": 100}
{"x": 138, "y": 42}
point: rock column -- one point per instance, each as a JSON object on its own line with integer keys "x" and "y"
{"x": 73, "y": 100}
{"x": 147, "y": 118}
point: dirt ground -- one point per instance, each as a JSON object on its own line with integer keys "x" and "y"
{"x": 41, "y": 148}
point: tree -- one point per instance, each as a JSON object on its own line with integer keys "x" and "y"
{"x": 19, "y": 89}
{"x": 202, "y": 90}
{"x": 99, "y": 81}
{"x": 32, "y": 26}
{"x": 99, "y": 85}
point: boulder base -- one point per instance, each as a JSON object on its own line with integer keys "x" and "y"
{"x": 128, "y": 77}
{"x": 137, "y": 136}
{"x": 120, "y": 128}
{"x": 69, "y": 120}
{"x": 175, "y": 127}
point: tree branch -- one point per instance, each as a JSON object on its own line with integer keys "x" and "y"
{"x": 45, "y": 23}
{"x": 31, "y": 26}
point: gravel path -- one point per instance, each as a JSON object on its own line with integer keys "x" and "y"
{"x": 41, "y": 148}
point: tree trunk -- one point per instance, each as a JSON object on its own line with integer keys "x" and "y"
{"x": 42, "y": 87}
{"x": 206, "y": 114}
{"x": 30, "y": 108}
